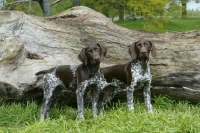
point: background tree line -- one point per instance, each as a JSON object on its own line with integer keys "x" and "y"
{"x": 154, "y": 12}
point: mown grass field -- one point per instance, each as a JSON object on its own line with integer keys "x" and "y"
{"x": 169, "y": 116}
{"x": 173, "y": 25}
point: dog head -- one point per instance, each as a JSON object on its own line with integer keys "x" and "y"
{"x": 92, "y": 54}
{"x": 141, "y": 49}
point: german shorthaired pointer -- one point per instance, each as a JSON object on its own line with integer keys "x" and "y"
{"x": 76, "y": 78}
{"x": 134, "y": 75}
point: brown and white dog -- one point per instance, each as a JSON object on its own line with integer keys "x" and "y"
{"x": 135, "y": 74}
{"x": 76, "y": 78}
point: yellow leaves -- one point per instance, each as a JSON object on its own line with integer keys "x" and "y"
{"x": 153, "y": 12}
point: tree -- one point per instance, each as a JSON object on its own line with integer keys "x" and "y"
{"x": 173, "y": 9}
{"x": 184, "y": 8}
{"x": 45, "y": 5}
{"x": 104, "y": 6}
{"x": 2, "y": 2}
{"x": 183, "y": 4}
{"x": 153, "y": 11}
{"x": 76, "y": 3}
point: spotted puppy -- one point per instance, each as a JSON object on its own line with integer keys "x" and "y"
{"x": 76, "y": 78}
{"x": 134, "y": 75}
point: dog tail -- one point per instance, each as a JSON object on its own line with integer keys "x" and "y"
{"x": 42, "y": 72}
{"x": 45, "y": 71}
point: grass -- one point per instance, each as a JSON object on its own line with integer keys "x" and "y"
{"x": 173, "y": 25}
{"x": 169, "y": 116}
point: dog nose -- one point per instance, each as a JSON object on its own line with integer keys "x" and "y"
{"x": 144, "y": 52}
{"x": 97, "y": 58}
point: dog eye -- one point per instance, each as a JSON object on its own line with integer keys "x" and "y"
{"x": 96, "y": 48}
{"x": 89, "y": 51}
{"x": 138, "y": 45}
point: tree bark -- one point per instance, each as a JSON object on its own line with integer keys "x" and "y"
{"x": 45, "y": 6}
{"x": 184, "y": 9}
{"x": 76, "y": 3}
{"x": 121, "y": 14}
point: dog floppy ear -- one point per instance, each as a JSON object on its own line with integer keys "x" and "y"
{"x": 132, "y": 51}
{"x": 103, "y": 50}
{"x": 153, "y": 49}
{"x": 82, "y": 56}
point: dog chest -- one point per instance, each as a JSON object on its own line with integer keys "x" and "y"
{"x": 140, "y": 76}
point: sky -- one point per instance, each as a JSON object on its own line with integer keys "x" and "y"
{"x": 193, "y": 5}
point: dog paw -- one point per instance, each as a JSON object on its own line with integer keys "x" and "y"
{"x": 131, "y": 108}
{"x": 150, "y": 111}
{"x": 101, "y": 114}
{"x": 80, "y": 117}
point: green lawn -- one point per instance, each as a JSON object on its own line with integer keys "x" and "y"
{"x": 169, "y": 116}
{"x": 173, "y": 25}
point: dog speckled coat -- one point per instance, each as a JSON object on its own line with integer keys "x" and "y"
{"x": 133, "y": 75}
{"x": 77, "y": 77}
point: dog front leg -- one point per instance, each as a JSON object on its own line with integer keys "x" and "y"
{"x": 95, "y": 97}
{"x": 43, "y": 110}
{"x": 147, "y": 97}
{"x": 100, "y": 107}
{"x": 80, "y": 104}
{"x": 48, "y": 101}
{"x": 108, "y": 95}
{"x": 130, "y": 98}
{"x": 101, "y": 103}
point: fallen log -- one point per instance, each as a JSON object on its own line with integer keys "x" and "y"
{"x": 29, "y": 44}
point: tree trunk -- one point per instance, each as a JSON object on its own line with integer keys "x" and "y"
{"x": 2, "y": 3}
{"x": 121, "y": 14}
{"x": 76, "y": 3}
{"x": 184, "y": 9}
{"x": 46, "y": 7}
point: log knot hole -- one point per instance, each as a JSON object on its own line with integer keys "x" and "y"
{"x": 33, "y": 56}
{"x": 68, "y": 16}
